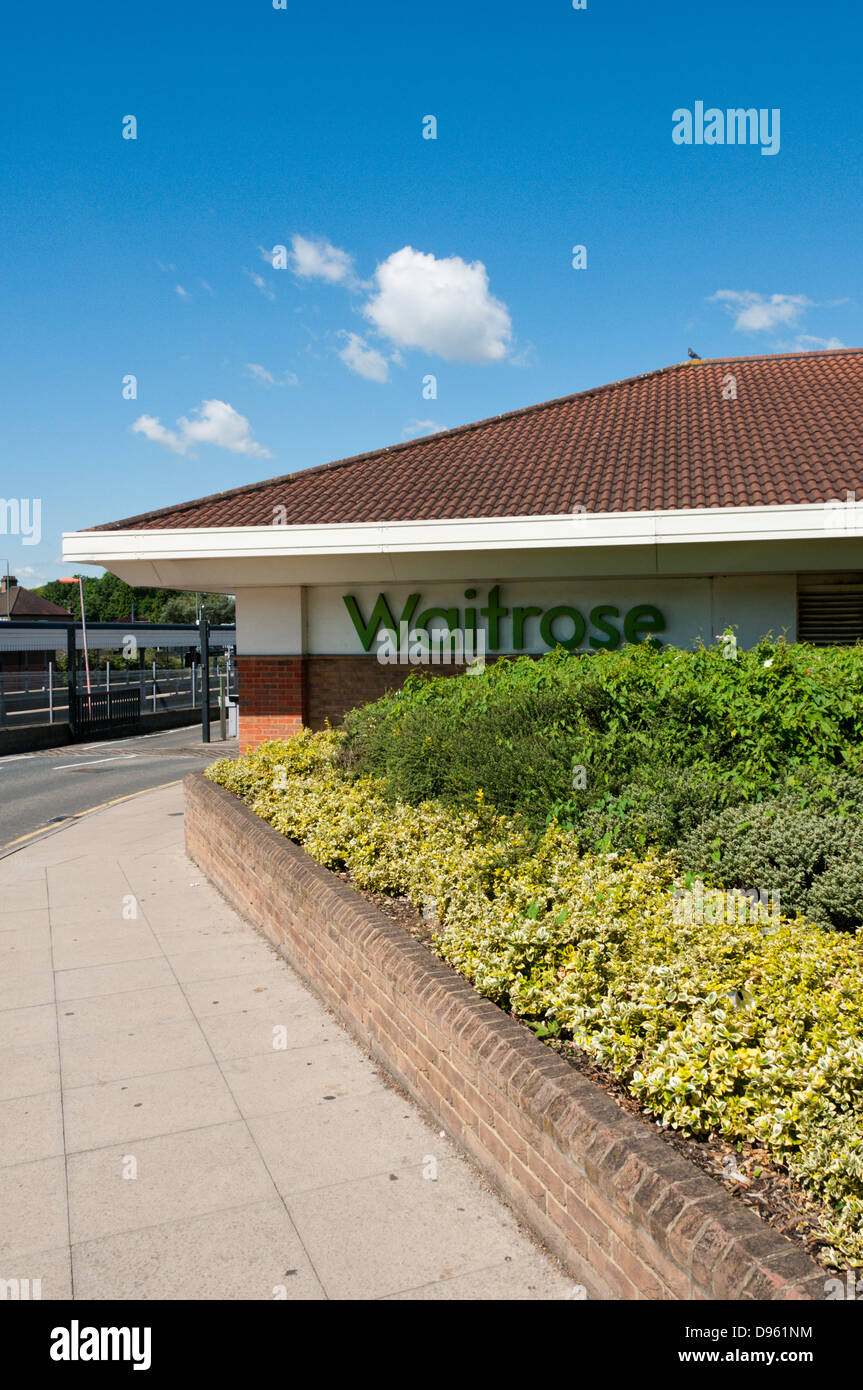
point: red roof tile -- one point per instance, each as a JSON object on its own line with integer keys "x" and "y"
{"x": 664, "y": 441}
{"x": 23, "y": 603}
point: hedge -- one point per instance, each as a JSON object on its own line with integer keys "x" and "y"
{"x": 741, "y": 1027}
{"x": 644, "y": 748}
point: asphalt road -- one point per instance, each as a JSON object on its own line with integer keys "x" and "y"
{"x": 40, "y": 790}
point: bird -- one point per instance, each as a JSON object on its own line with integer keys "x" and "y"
{"x": 696, "y": 356}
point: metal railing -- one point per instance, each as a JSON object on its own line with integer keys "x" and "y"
{"x": 41, "y": 697}
{"x": 106, "y": 709}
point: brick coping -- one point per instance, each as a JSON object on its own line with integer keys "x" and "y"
{"x": 627, "y": 1215}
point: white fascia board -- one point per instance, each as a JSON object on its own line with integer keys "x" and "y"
{"x": 816, "y": 521}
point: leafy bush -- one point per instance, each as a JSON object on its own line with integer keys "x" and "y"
{"x": 666, "y": 737}
{"x": 748, "y": 1030}
{"x": 806, "y": 845}
{"x": 658, "y": 807}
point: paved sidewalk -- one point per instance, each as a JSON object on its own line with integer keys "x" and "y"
{"x": 160, "y": 1137}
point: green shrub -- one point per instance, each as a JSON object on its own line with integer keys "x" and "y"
{"x": 704, "y": 732}
{"x": 806, "y": 845}
{"x": 744, "y": 1029}
{"x": 518, "y": 749}
{"x": 658, "y": 807}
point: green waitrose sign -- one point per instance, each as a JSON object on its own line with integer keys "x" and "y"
{"x": 604, "y": 627}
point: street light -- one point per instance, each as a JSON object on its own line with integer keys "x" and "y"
{"x": 79, "y": 581}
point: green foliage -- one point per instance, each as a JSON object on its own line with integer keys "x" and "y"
{"x": 677, "y": 748}
{"x": 657, "y": 807}
{"x": 806, "y": 845}
{"x": 183, "y": 608}
{"x": 437, "y": 739}
{"x": 748, "y": 1030}
{"x": 706, "y": 731}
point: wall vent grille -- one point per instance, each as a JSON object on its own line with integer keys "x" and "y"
{"x": 830, "y": 615}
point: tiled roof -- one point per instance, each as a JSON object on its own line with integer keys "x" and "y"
{"x": 671, "y": 439}
{"x": 23, "y": 603}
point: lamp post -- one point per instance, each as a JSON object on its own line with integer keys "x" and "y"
{"x": 204, "y": 640}
{"x": 80, "y": 582}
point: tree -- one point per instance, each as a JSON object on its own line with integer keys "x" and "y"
{"x": 183, "y": 608}
{"x": 108, "y": 599}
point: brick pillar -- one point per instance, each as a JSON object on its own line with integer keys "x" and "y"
{"x": 272, "y": 694}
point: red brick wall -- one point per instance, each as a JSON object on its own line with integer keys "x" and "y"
{"x": 278, "y": 694}
{"x": 628, "y": 1215}
{"x": 272, "y": 696}
{"x": 336, "y": 684}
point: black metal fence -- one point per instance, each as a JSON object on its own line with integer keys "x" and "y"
{"x": 34, "y": 671}
{"x": 106, "y": 709}
{"x": 43, "y": 698}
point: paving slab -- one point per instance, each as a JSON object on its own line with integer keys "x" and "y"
{"x": 249, "y": 1252}
{"x": 133, "y": 1008}
{"x": 180, "y": 1118}
{"x": 150, "y": 1181}
{"x": 28, "y": 1068}
{"x": 145, "y": 1107}
{"x": 33, "y": 1213}
{"x": 13, "y": 920}
{"x": 36, "y": 1024}
{"x": 31, "y": 1127}
{"x": 19, "y": 991}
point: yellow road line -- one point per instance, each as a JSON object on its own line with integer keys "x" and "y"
{"x": 58, "y": 825}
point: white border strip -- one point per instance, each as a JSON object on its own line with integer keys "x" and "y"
{"x": 810, "y": 521}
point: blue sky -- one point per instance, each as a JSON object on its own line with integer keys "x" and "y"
{"x": 259, "y": 127}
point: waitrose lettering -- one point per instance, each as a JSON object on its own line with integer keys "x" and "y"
{"x": 514, "y": 629}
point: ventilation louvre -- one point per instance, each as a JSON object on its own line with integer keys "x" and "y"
{"x": 830, "y": 615}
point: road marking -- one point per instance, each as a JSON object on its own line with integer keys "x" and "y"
{"x": 93, "y": 762}
{"x": 77, "y": 815}
{"x": 139, "y": 738}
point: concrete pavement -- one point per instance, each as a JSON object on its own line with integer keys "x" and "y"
{"x": 181, "y": 1119}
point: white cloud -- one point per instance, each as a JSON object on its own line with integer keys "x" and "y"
{"x": 149, "y": 426}
{"x": 266, "y": 377}
{"x": 319, "y": 260}
{"x": 261, "y": 374}
{"x": 184, "y": 294}
{"x": 417, "y": 427}
{"x": 525, "y": 357}
{"x": 807, "y": 342}
{"x": 441, "y": 306}
{"x": 757, "y": 313}
{"x": 216, "y": 423}
{"x": 362, "y": 359}
{"x": 259, "y": 282}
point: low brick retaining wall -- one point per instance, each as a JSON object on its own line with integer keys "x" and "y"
{"x": 625, "y": 1213}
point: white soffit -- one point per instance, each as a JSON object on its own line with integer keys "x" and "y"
{"x": 817, "y": 521}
